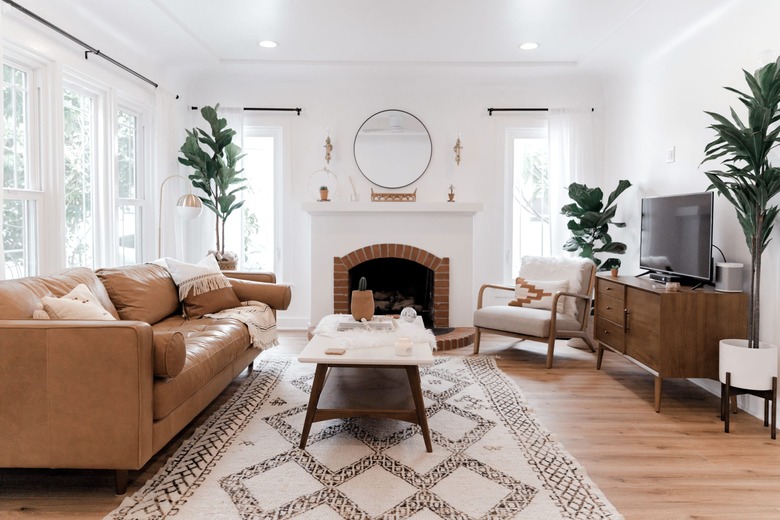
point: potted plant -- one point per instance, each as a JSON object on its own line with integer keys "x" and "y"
{"x": 590, "y": 221}
{"x": 324, "y": 193}
{"x": 362, "y": 303}
{"x": 749, "y": 182}
{"x": 215, "y": 174}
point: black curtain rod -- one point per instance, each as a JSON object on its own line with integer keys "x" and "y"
{"x": 491, "y": 110}
{"x": 255, "y": 109}
{"x": 90, "y": 49}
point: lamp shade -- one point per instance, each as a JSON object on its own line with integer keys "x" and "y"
{"x": 189, "y": 207}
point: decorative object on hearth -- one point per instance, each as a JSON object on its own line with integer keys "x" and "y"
{"x": 324, "y": 177}
{"x": 362, "y": 303}
{"x": 393, "y": 197}
{"x": 590, "y": 221}
{"x": 324, "y": 194}
{"x": 749, "y": 182}
{"x": 492, "y": 458}
{"x": 458, "y": 147}
{"x": 392, "y": 149}
{"x": 216, "y": 174}
{"x": 328, "y": 146}
{"x": 451, "y": 194}
{"x": 408, "y": 314}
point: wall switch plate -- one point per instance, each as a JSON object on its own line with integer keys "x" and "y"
{"x": 670, "y": 154}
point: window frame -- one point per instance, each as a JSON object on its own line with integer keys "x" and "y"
{"x": 534, "y": 126}
{"x": 33, "y": 192}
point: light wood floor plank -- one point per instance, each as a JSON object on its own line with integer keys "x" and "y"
{"x": 674, "y": 465}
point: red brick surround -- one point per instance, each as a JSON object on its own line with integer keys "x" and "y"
{"x": 439, "y": 266}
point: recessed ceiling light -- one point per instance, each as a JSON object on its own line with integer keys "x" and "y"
{"x": 268, "y": 44}
{"x": 528, "y": 46}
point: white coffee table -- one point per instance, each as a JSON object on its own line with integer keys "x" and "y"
{"x": 369, "y": 381}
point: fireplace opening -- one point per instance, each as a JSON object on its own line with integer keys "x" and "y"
{"x": 397, "y": 283}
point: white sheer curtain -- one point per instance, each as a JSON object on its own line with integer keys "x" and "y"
{"x": 169, "y": 132}
{"x": 2, "y": 133}
{"x": 573, "y": 158}
{"x": 235, "y": 121}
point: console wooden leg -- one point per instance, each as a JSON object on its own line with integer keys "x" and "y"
{"x": 599, "y": 356}
{"x": 774, "y": 408}
{"x": 120, "y": 481}
{"x": 658, "y": 382}
{"x": 314, "y": 399}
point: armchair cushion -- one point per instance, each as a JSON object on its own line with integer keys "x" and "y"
{"x": 521, "y": 320}
{"x": 538, "y": 294}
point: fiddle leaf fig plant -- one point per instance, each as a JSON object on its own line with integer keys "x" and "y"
{"x": 590, "y": 221}
{"x": 748, "y": 180}
{"x": 215, "y": 172}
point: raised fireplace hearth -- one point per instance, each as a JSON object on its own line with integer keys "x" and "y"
{"x": 400, "y": 276}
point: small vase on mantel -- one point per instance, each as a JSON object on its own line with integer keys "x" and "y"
{"x": 362, "y": 304}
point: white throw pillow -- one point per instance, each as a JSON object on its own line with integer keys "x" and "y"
{"x": 199, "y": 278}
{"x": 78, "y": 304}
{"x": 538, "y": 294}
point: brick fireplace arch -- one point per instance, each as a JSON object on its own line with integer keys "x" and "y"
{"x": 439, "y": 266}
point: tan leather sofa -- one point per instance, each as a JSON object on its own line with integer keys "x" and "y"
{"x": 110, "y": 394}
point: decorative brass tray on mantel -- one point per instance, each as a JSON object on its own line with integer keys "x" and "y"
{"x": 393, "y": 197}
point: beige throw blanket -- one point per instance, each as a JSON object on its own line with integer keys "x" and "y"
{"x": 259, "y": 319}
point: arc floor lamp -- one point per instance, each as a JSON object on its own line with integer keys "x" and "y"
{"x": 188, "y": 207}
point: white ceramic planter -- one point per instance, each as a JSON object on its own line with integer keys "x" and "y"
{"x": 751, "y": 368}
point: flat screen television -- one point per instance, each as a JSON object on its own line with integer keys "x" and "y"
{"x": 676, "y": 237}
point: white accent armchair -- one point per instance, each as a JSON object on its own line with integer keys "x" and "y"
{"x": 566, "y": 315}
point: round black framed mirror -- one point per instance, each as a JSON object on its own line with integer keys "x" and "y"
{"x": 393, "y": 148}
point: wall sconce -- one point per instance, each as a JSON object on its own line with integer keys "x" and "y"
{"x": 188, "y": 207}
{"x": 457, "y": 149}
{"x": 328, "y": 146}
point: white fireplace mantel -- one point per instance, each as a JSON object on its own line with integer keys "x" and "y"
{"x": 335, "y": 208}
{"x": 445, "y": 229}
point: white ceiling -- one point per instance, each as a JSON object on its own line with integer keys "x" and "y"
{"x": 184, "y": 35}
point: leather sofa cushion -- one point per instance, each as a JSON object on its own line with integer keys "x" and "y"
{"x": 211, "y": 345}
{"x": 143, "y": 292}
{"x": 20, "y": 298}
{"x": 170, "y": 353}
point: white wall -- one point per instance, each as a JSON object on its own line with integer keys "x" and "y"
{"x": 658, "y": 101}
{"x": 447, "y": 101}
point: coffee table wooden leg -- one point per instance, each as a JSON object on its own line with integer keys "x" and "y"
{"x": 413, "y": 372}
{"x": 314, "y": 399}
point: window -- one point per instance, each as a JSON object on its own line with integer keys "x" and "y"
{"x": 21, "y": 193}
{"x": 528, "y": 166}
{"x": 262, "y": 164}
{"x": 130, "y": 201}
{"x": 80, "y": 162}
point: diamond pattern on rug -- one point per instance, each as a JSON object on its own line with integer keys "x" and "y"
{"x": 376, "y": 490}
{"x": 491, "y": 458}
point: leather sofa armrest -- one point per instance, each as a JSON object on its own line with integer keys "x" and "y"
{"x": 276, "y": 295}
{"x": 252, "y": 276}
{"x": 75, "y": 394}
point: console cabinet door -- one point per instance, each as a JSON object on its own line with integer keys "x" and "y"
{"x": 643, "y": 319}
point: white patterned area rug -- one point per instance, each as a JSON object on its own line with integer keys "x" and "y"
{"x": 491, "y": 458}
